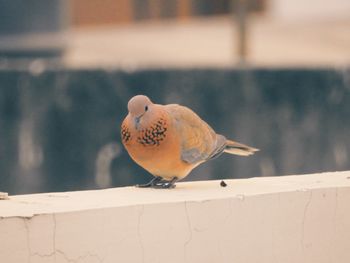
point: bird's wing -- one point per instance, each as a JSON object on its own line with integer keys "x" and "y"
{"x": 199, "y": 142}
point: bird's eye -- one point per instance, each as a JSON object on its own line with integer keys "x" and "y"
{"x": 146, "y": 108}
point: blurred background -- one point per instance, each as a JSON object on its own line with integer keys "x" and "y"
{"x": 273, "y": 74}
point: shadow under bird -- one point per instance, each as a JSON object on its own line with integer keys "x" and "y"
{"x": 171, "y": 140}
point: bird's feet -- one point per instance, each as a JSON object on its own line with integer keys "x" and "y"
{"x": 163, "y": 184}
{"x": 159, "y": 183}
{"x": 151, "y": 183}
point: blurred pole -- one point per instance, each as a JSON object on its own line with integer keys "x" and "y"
{"x": 239, "y": 11}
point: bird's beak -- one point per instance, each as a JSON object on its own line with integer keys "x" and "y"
{"x": 137, "y": 122}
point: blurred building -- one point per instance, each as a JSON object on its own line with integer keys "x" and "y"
{"x": 95, "y": 12}
{"x": 98, "y": 12}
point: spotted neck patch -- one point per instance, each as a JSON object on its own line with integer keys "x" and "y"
{"x": 154, "y": 134}
{"x": 126, "y": 135}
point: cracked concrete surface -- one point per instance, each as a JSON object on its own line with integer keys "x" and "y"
{"x": 302, "y": 218}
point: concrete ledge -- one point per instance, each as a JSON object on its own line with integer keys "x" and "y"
{"x": 272, "y": 219}
{"x": 3, "y": 196}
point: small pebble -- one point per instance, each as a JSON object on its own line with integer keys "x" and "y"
{"x": 223, "y": 184}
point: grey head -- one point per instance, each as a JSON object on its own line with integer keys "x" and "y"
{"x": 138, "y": 106}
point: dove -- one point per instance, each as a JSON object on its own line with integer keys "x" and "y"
{"x": 169, "y": 141}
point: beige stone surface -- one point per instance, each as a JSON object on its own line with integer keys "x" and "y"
{"x": 304, "y": 218}
{"x": 3, "y": 196}
{"x": 212, "y": 43}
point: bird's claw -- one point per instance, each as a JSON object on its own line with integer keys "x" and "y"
{"x": 164, "y": 185}
{"x": 151, "y": 183}
{"x": 159, "y": 183}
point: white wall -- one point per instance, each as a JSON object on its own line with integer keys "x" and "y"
{"x": 309, "y": 9}
{"x": 300, "y": 219}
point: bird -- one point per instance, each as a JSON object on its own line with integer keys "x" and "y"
{"x": 169, "y": 141}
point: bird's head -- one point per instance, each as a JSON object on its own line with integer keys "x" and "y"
{"x": 139, "y": 107}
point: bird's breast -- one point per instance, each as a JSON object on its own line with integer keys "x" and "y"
{"x": 156, "y": 139}
{"x": 154, "y": 134}
{"x": 156, "y": 148}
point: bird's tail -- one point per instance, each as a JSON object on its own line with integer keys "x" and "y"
{"x": 233, "y": 147}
